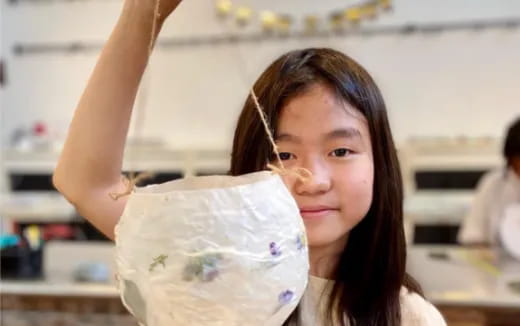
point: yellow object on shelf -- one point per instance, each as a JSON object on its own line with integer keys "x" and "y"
{"x": 269, "y": 20}
{"x": 243, "y": 15}
{"x": 33, "y": 235}
{"x": 353, "y": 14}
{"x": 272, "y": 20}
{"x": 224, "y": 7}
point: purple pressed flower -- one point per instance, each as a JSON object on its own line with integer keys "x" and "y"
{"x": 274, "y": 249}
{"x": 300, "y": 241}
{"x": 285, "y": 297}
{"x": 203, "y": 268}
{"x": 209, "y": 273}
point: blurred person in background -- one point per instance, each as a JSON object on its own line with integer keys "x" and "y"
{"x": 498, "y": 192}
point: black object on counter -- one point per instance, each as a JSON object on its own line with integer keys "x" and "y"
{"x": 21, "y": 263}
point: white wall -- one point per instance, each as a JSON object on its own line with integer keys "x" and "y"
{"x": 3, "y": 181}
{"x": 454, "y": 83}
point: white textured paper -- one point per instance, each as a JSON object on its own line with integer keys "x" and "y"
{"x": 216, "y": 250}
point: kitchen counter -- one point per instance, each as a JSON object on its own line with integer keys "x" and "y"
{"x": 452, "y": 275}
{"x": 477, "y": 287}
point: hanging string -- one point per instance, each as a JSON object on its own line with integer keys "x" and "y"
{"x": 132, "y": 182}
{"x": 267, "y": 128}
{"x": 134, "y": 179}
{"x": 301, "y": 173}
{"x": 143, "y": 93}
{"x": 156, "y": 16}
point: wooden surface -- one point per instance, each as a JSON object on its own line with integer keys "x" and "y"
{"x": 79, "y": 311}
{"x": 25, "y": 310}
{"x": 479, "y": 316}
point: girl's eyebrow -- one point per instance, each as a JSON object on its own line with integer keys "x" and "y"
{"x": 345, "y": 133}
{"x": 287, "y": 137}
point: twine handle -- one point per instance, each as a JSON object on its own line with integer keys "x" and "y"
{"x": 134, "y": 178}
{"x": 301, "y": 173}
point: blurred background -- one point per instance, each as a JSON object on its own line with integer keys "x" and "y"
{"x": 449, "y": 71}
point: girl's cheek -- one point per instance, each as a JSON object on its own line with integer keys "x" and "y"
{"x": 355, "y": 179}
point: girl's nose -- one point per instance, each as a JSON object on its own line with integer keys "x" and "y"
{"x": 317, "y": 183}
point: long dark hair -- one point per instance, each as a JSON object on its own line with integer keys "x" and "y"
{"x": 371, "y": 270}
{"x": 512, "y": 142}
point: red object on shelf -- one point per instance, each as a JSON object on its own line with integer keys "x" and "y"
{"x": 58, "y": 231}
{"x": 40, "y": 129}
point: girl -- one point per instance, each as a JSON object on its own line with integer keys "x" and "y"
{"x": 328, "y": 117}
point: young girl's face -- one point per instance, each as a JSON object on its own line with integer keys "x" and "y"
{"x": 328, "y": 137}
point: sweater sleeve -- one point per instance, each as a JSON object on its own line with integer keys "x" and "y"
{"x": 416, "y": 311}
{"x": 476, "y": 225}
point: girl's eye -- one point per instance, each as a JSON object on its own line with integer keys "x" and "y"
{"x": 340, "y": 152}
{"x": 284, "y": 156}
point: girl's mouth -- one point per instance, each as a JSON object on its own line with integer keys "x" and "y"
{"x": 316, "y": 212}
